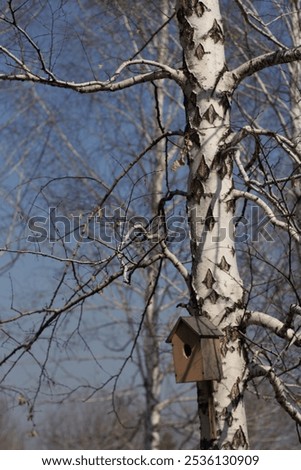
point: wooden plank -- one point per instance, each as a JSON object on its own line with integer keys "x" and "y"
{"x": 212, "y": 363}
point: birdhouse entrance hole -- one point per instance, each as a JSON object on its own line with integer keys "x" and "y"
{"x": 187, "y": 350}
{"x": 196, "y": 349}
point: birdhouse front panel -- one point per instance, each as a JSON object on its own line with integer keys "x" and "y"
{"x": 196, "y": 350}
{"x": 187, "y": 356}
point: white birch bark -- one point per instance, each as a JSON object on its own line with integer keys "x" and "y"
{"x": 216, "y": 284}
{"x": 295, "y": 73}
{"x": 153, "y": 377}
{"x": 152, "y": 348}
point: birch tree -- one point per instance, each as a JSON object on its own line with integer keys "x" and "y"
{"x": 218, "y": 77}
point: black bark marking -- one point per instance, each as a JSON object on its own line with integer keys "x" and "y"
{"x": 223, "y": 265}
{"x": 203, "y": 170}
{"x": 187, "y": 35}
{"x": 235, "y": 394}
{"x": 188, "y": 6}
{"x": 199, "y": 52}
{"x": 229, "y": 163}
{"x": 216, "y": 33}
{"x": 186, "y": 31}
{"x": 196, "y": 121}
{"x": 194, "y": 247}
{"x": 209, "y": 279}
{"x": 217, "y": 161}
{"x": 200, "y": 8}
{"x": 196, "y": 189}
{"x": 213, "y": 296}
{"x": 225, "y": 102}
{"x": 227, "y": 416}
{"x": 209, "y": 221}
{"x": 181, "y": 16}
{"x": 192, "y": 99}
{"x": 223, "y": 170}
{"x": 223, "y": 165}
{"x": 210, "y": 114}
{"x": 224, "y": 346}
{"x": 239, "y": 440}
{"x": 230, "y": 205}
{"x": 194, "y": 137}
{"x": 194, "y": 6}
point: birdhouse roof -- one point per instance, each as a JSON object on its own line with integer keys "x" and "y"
{"x": 200, "y": 326}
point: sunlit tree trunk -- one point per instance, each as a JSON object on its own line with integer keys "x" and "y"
{"x": 217, "y": 291}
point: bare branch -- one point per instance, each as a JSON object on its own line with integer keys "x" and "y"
{"x": 177, "y": 263}
{"x": 281, "y": 394}
{"x": 262, "y": 62}
{"x": 268, "y": 211}
{"x": 69, "y": 305}
{"x": 274, "y": 325}
{"x": 134, "y": 162}
{"x": 57, "y": 258}
{"x": 281, "y": 140}
{"x": 295, "y": 309}
{"x": 30, "y": 41}
{"x": 95, "y": 85}
{"x": 153, "y": 35}
{"x": 266, "y": 32}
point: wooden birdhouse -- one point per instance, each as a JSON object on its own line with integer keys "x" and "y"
{"x": 196, "y": 349}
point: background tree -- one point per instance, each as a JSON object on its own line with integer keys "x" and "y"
{"x": 62, "y": 196}
{"x": 11, "y": 437}
{"x": 132, "y": 196}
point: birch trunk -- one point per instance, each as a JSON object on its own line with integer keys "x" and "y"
{"x": 295, "y": 73}
{"x": 153, "y": 379}
{"x": 153, "y": 376}
{"x": 216, "y": 286}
